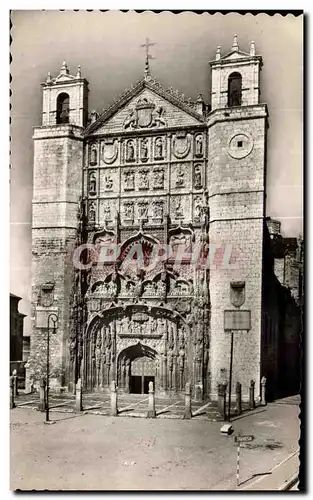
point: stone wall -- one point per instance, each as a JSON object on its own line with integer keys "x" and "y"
{"x": 58, "y": 160}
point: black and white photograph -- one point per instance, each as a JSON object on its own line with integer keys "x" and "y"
{"x": 156, "y": 250}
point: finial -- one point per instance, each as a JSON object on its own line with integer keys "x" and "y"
{"x": 252, "y": 48}
{"x": 200, "y": 98}
{"x": 235, "y": 43}
{"x": 218, "y": 53}
{"x": 147, "y": 68}
{"x": 64, "y": 69}
{"x": 93, "y": 115}
{"x": 79, "y": 72}
{"x": 48, "y": 77}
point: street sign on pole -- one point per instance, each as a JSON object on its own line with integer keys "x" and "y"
{"x": 239, "y": 440}
{"x": 235, "y": 320}
{"x": 243, "y": 439}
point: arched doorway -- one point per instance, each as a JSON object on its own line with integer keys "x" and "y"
{"x": 137, "y": 366}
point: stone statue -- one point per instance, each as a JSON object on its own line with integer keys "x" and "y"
{"x": 129, "y": 180}
{"x": 92, "y": 184}
{"x": 158, "y": 209}
{"x": 198, "y": 208}
{"x": 144, "y": 149}
{"x": 158, "y": 179}
{"x": 131, "y": 120}
{"x": 157, "y": 117}
{"x": 93, "y": 155}
{"x": 107, "y": 212}
{"x": 112, "y": 288}
{"x": 199, "y": 145}
{"x": 143, "y": 180}
{"x": 129, "y": 210}
{"x": 143, "y": 210}
{"x": 130, "y": 155}
{"x": 92, "y": 212}
{"x": 161, "y": 288}
{"x": 197, "y": 177}
{"x": 181, "y": 359}
{"x": 180, "y": 177}
{"x": 108, "y": 182}
{"x": 159, "y": 147}
{"x": 178, "y": 209}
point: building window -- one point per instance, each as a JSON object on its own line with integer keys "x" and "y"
{"x": 234, "y": 89}
{"x": 63, "y": 108}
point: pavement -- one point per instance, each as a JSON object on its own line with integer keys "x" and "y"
{"x": 95, "y": 452}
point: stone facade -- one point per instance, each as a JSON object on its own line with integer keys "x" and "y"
{"x": 153, "y": 169}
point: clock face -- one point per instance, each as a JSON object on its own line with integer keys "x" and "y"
{"x": 240, "y": 145}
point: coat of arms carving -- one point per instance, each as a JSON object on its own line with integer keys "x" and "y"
{"x": 145, "y": 115}
{"x": 181, "y": 145}
{"x": 237, "y": 293}
{"x": 109, "y": 151}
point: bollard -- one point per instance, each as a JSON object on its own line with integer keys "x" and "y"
{"x": 221, "y": 391}
{"x": 114, "y": 411}
{"x": 14, "y": 373}
{"x": 151, "y": 402}
{"x": 12, "y": 404}
{"x": 263, "y": 391}
{"x": 188, "y": 413}
{"x": 79, "y": 396}
{"x": 251, "y": 395}
{"x": 42, "y": 395}
{"x": 238, "y": 398}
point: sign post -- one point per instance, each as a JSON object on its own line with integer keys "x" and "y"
{"x": 235, "y": 320}
{"x": 239, "y": 440}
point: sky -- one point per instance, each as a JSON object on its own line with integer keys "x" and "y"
{"x": 107, "y": 46}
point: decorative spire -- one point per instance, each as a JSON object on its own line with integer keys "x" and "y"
{"x": 235, "y": 45}
{"x": 64, "y": 69}
{"x": 79, "y": 72}
{"x": 48, "y": 77}
{"x": 147, "y": 67}
{"x": 252, "y": 48}
{"x": 218, "y": 53}
{"x": 200, "y": 106}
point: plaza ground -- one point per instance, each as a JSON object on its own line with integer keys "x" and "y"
{"x": 96, "y": 452}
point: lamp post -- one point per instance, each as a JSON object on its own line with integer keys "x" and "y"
{"x": 54, "y": 318}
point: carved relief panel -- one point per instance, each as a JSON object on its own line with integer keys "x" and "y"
{"x": 180, "y": 208}
{"x": 128, "y": 180}
{"x": 181, "y": 176}
{"x": 108, "y": 210}
{"x": 109, "y": 180}
{"x": 159, "y": 177}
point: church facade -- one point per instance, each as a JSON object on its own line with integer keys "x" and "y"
{"x": 153, "y": 174}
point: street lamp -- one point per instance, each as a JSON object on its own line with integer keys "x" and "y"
{"x": 54, "y": 318}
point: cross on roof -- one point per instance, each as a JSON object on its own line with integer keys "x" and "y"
{"x": 147, "y": 44}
